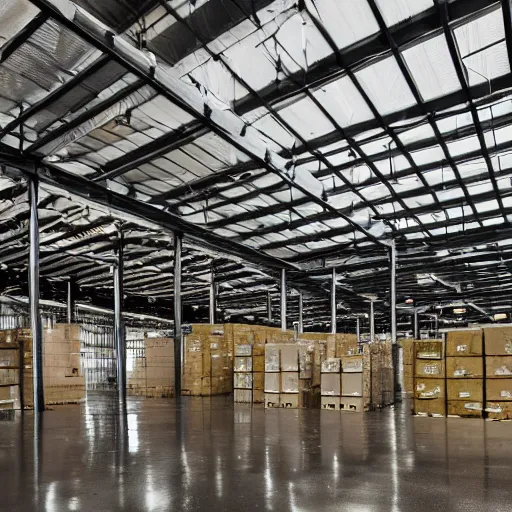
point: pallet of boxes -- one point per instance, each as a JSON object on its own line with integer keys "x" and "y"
{"x": 242, "y": 374}
{"x": 464, "y": 373}
{"x": 282, "y": 375}
{"x": 498, "y": 372}
{"x": 429, "y": 378}
{"x": 10, "y": 370}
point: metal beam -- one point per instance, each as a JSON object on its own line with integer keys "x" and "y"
{"x": 155, "y": 149}
{"x": 283, "y": 300}
{"x": 358, "y": 329}
{"x": 301, "y": 313}
{"x": 333, "y": 302}
{"x": 269, "y": 307}
{"x": 372, "y": 322}
{"x": 120, "y": 342}
{"x": 35, "y": 317}
{"x": 71, "y": 301}
{"x": 392, "y": 290}
{"x": 213, "y": 296}
{"x": 416, "y": 325}
{"x": 179, "y": 348}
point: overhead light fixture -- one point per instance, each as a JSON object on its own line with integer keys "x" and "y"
{"x": 500, "y": 316}
{"x": 409, "y": 301}
{"x": 459, "y": 311}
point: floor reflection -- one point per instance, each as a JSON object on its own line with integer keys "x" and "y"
{"x": 208, "y": 454}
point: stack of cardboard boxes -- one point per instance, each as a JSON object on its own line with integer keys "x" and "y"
{"x": 498, "y": 372}
{"x": 159, "y": 367}
{"x": 243, "y": 374}
{"x": 208, "y": 361}
{"x": 352, "y": 383}
{"x": 272, "y": 375}
{"x": 407, "y": 345}
{"x": 464, "y": 373}
{"x": 331, "y": 384}
{"x": 10, "y": 364}
{"x": 429, "y": 378}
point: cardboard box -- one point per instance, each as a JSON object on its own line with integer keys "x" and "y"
{"x": 258, "y": 381}
{"x": 464, "y": 343}
{"x": 434, "y": 407}
{"x": 407, "y": 345}
{"x": 432, "y": 349}
{"x": 289, "y": 382}
{"x": 242, "y": 396}
{"x": 352, "y": 364}
{"x": 243, "y": 350}
{"x": 331, "y": 384}
{"x": 498, "y": 390}
{"x": 272, "y": 382}
{"x": 498, "y": 341}
{"x": 430, "y": 368}
{"x": 289, "y": 401}
{"x": 499, "y": 410}
{"x": 429, "y": 389}
{"x": 272, "y": 358}
{"x": 468, "y": 390}
{"x": 290, "y": 357}
{"x": 331, "y": 403}
{"x": 242, "y": 380}
{"x": 465, "y": 409}
{"x": 258, "y": 363}
{"x": 243, "y": 364}
{"x": 331, "y": 365}
{"x": 498, "y": 367}
{"x": 351, "y": 404}
{"x": 352, "y": 384}
{"x": 272, "y": 400}
{"x": 258, "y": 396}
{"x": 464, "y": 367}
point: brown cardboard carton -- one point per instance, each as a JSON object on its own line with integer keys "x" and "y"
{"x": 258, "y": 363}
{"x": 431, "y": 349}
{"x": 468, "y": 390}
{"x": 258, "y": 381}
{"x": 465, "y": 409}
{"x": 464, "y": 367}
{"x": 499, "y": 410}
{"x": 407, "y": 345}
{"x": 498, "y": 341}
{"x": 435, "y": 407}
{"x": 272, "y": 382}
{"x": 430, "y": 368}
{"x": 290, "y": 357}
{"x": 352, "y": 384}
{"x": 258, "y": 396}
{"x": 289, "y": 382}
{"x": 242, "y": 380}
{"x": 498, "y": 367}
{"x": 429, "y": 389}
{"x": 464, "y": 343}
{"x": 331, "y": 384}
{"x": 352, "y": 364}
{"x": 498, "y": 390}
{"x": 243, "y": 364}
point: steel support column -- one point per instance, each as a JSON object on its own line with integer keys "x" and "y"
{"x": 301, "y": 313}
{"x": 213, "y": 296}
{"x": 178, "y": 335}
{"x": 358, "y": 330}
{"x": 372, "y": 322}
{"x": 283, "y": 300}
{"x": 333, "y": 302}
{"x": 269, "y": 307}
{"x": 392, "y": 289}
{"x": 120, "y": 342}
{"x": 71, "y": 302}
{"x": 35, "y": 317}
{"x": 416, "y": 325}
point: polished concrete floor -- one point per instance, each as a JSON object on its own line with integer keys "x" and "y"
{"x": 207, "y": 454}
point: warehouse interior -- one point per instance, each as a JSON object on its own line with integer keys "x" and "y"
{"x": 259, "y": 245}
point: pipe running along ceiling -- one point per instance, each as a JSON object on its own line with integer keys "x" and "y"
{"x": 273, "y": 134}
